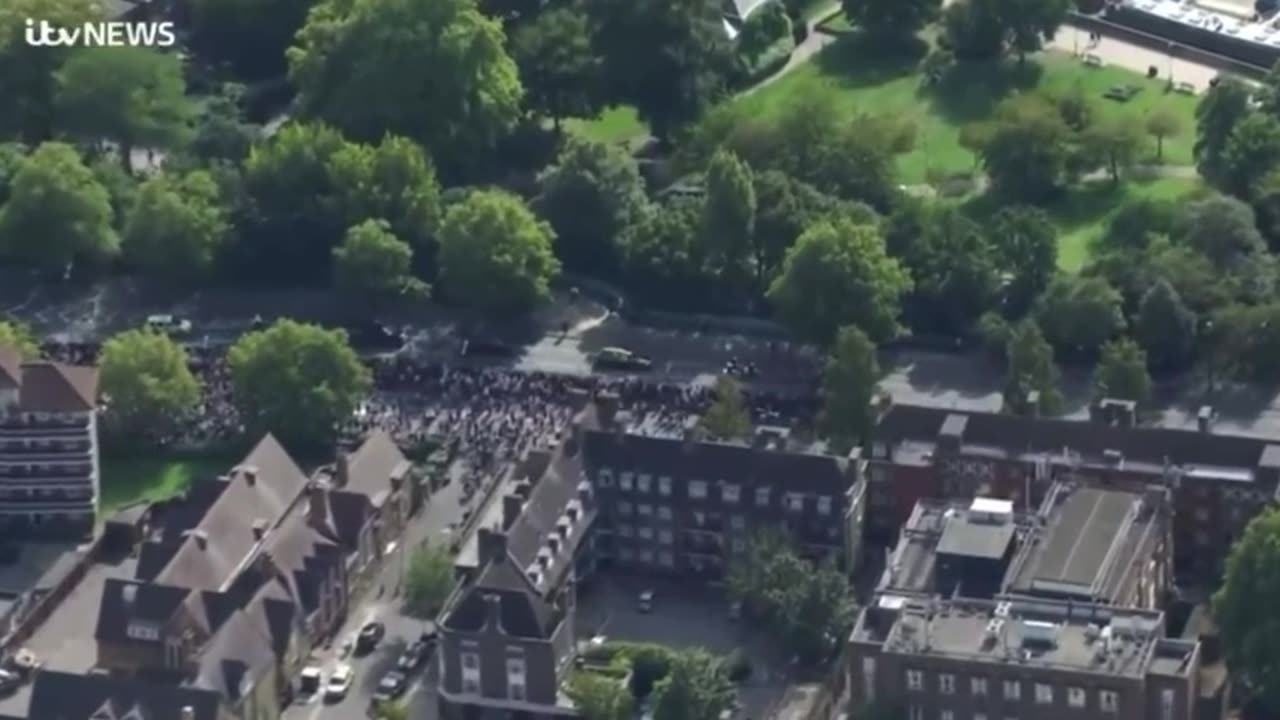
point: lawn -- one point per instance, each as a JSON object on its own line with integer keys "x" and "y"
{"x": 872, "y": 80}
{"x": 617, "y": 124}
{"x": 127, "y": 480}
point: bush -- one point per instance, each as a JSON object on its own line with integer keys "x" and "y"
{"x": 649, "y": 664}
{"x": 773, "y": 59}
{"x": 739, "y": 667}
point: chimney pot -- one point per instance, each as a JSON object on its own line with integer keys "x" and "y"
{"x": 259, "y": 528}
{"x": 202, "y": 538}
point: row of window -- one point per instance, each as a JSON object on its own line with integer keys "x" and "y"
{"x": 515, "y": 676}
{"x": 1011, "y": 690}
{"x": 699, "y": 490}
{"x": 665, "y": 537}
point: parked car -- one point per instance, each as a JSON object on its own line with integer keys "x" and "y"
{"x": 370, "y": 635}
{"x": 375, "y": 337}
{"x": 391, "y": 686}
{"x": 309, "y": 681}
{"x": 412, "y": 656}
{"x": 339, "y": 683}
{"x": 168, "y": 324}
{"x": 616, "y": 358}
{"x": 645, "y": 602}
{"x": 429, "y": 634}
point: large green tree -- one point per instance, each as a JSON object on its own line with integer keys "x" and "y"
{"x": 16, "y": 336}
{"x": 429, "y": 580}
{"x": 1027, "y": 148}
{"x": 147, "y": 385}
{"x": 1030, "y": 370}
{"x": 838, "y": 274}
{"x": 728, "y": 222}
{"x": 297, "y": 381}
{"x": 437, "y": 72}
{"x": 728, "y": 417}
{"x": 58, "y": 214}
{"x": 1252, "y": 151}
{"x": 984, "y": 29}
{"x": 1162, "y": 124}
{"x": 1079, "y": 314}
{"x": 247, "y": 36}
{"x": 598, "y": 697}
{"x": 1115, "y": 144}
{"x": 560, "y": 69}
{"x": 132, "y": 96}
{"x": 668, "y": 58}
{"x": 1165, "y": 326}
{"x": 28, "y": 74}
{"x": 697, "y": 687}
{"x": 1025, "y": 243}
{"x": 372, "y": 266}
{"x": 892, "y": 18}
{"x": 1223, "y": 229}
{"x": 1221, "y": 108}
{"x": 495, "y": 254}
{"x": 954, "y": 272}
{"x": 176, "y": 227}
{"x": 1245, "y": 609}
{"x": 590, "y": 195}
{"x": 1122, "y": 372}
{"x": 849, "y": 387}
{"x": 661, "y": 258}
{"x": 785, "y": 207}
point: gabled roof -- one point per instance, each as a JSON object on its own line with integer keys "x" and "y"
{"x": 125, "y": 602}
{"x": 66, "y": 696}
{"x": 236, "y": 658}
{"x": 261, "y": 489}
{"x": 54, "y": 387}
{"x": 371, "y": 467}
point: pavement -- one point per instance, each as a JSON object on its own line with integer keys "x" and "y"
{"x": 1133, "y": 57}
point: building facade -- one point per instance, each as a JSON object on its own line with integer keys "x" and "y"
{"x": 49, "y": 470}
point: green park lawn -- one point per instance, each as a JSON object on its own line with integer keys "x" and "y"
{"x": 617, "y": 124}
{"x": 128, "y": 480}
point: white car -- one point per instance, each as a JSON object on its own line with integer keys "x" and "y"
{"x": 339, "y": 683}
{"x": 168, "y": 324}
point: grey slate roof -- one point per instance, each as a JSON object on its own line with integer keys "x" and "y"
{"x": 373, "y": 464}
{"x": 236, "y": 657}
{"x": 124, "y": 601}
{"x": 66, "y": 696}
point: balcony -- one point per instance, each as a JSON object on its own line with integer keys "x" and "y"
{"x": 67, "y": 472}
{"x": 55, "y": 424}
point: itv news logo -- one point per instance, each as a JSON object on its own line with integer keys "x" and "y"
{"x": 42, "y": 33}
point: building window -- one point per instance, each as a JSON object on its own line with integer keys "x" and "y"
{"x": 698, "y": 489}
{"x": 470, "y": 673}
{"x": 470, "y": 661}
{"x": 626, "y": 530}
{"x": 795, "y": 502}
{"x": 947, "y": 715}
{"x": 664, "y": 485}
{"x": 646, "y": 556}
{"x": 1075, "y": 697}
{"x": 643, "y": 482}
{"x": 824, "y": 505}
{"x": 644, "y": 532}
{"x": 762, "y": 497}
{"x": 979, "y": 716}
{"x": 737, "y": 522}
{"x": 665, "y": 559}
{"x": 626, "y": 554}
{"x": 947, "y": 684}
{"x": 1044, "y": 694}
{"x": 624, "y": 507}
{"x": 1166, "y": 704}
{"x": 1012, "y": 690}
{"x": 978, "y": 686}
{"x": 869, "y": 679}
{"x": 1109, "y": 701}
{"x": 664, "y": 536}
{"x": 624, "y": 481}
{"x": 644, "y": 510}
{"x": 730, "y": 493}
{"x": 915, "y": 680}
{"x": 604, "y": 478}
{"x": 915, "y": 712}
{"x": 516, "y": 691}
{"x": 664, "y": 512}
{"x": 142, "y": 631}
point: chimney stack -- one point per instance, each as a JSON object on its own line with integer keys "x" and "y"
{"x": 342, "y": 469}
{"x": 491, "y": 545}
{"x": 1204, "y": 418}
{"x": 202, "y": 539}
{"x": 259, "y": 529}
{"x": 511, "y": 506}
{"x": 317, "y": 506}
{"x": 188, "y": 713}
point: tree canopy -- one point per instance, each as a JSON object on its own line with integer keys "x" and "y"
{"x": 1030, "y": 370}
{"x": 247, "y": 36}
{"x": 1122, "y": 373}
{"x": 559, "y": 67}
{"x": 16, "y": 336}
{"x": 849, "y": 386}
{"x": 297, "y": 381}
{"x": 894, "y": 18}
{"x": 372, "y": 265}
{"x": 429, "y": 580}
{"x": 695, "y": 688}
{"x": 728, "y": 417}
{"x": 1244, "y": 608}
{"x": 176, "y": 227}
{"x": 1079, "y": 314}
{"x": 147, "y": 384}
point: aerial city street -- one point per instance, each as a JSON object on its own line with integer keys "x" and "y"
{"x": 640, "y": 360}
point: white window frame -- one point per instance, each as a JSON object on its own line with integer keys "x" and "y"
{"x": 1012, "y": 690}
{"x": 731, "y": 493}
{"x": 824, "y": 505}
{"x": 664, "y": 485}
{"x": 978, "y": 686}
{"x": 915, "y": 680}
{"x": 1109, "y": 701}
{"x": 1077, "y": 697}
{"x": 698, "y": 489}
{"x": 1044, "y": 694}
{"x": 643, "y": 482}
{"x": 947, "y": 684}
{"x": 626, "y": 481}
{"x": 762, "y": 497}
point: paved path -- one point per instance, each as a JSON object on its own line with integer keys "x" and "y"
{"x": 1134, "y": 57}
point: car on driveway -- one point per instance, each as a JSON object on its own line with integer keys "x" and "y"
{"x": 370, "y": 635}
{"x": 339, "y": 683}
{"x": 392, "y": 686}
{"x": 616, "y": 358}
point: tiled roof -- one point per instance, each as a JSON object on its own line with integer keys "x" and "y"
{"x": 236, "y": 657}
{"x": 54, "y": 387}
{"x": 125, "y": 602}
{"x": 370, "y": 467}
{"x": 549, "y": 497}
{"x": 66, "y": 696}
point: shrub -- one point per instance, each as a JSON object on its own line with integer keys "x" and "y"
{"x": 739, "y": 666}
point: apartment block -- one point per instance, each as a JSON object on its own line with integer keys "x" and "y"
{"x": 49, "y": 474}
{"x": 1217, "y": 482}
{"x": 1020, "y": 659}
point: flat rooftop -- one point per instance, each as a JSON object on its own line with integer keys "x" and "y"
{"x": 1082, "y": 637}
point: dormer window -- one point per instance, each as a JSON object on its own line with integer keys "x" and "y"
{"x": 142, "y": 631}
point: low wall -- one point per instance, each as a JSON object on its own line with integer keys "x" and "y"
{"x": 1186, "y": 43}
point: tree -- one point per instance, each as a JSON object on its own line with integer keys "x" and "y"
{"x": 1165, "y": 327}
{"x": 849, "y": 387}
{"x": 351, "y": 64}
{"x": 16, "y": 336}
{"x": 784, "y": 208}
{"x": 132, "y": 96}
{"x": 668, "y": 58}
{"x": 1223, "y": 229}
{"x": 1244, "y": 608}
{"x": 728, "y": 417}
{"x": 495, "y": 255}
{"x": 393, "y": 181}
{"x": 1027, "y": 148}
{"x": 28, "y": 72}
{"x": 983, "y": 29}
{"x": 599, "y": 698}
{"x": 1247, "y": 339}
{"x": 728, "y": 222}
{"x": 250, "y": 37}
{"x": 1030, "y": 23}
{"x": 696, "y": 688}
{"x": 176, "y": 227}
{"x": 220, "y": 130}
{"x": 58, "y": 214}
{"x": 1025, "y": 245}
{"x": 954, "y": 273}
{"x": 1122, "y": 373}
{"x": 1162, "y": 123}
{"x": 559, "y": 68}
{"x": 662, "y": 262}
{"x": 429, "y": 580}
{"x": 838, "y": 274}
{"x": 1223, "y": 106}
{"x": 1114, "y": 143}
{"x": 590, "y": 195}
{"x": 297, "y": 381}
{"x": 373, "y": 265}
{"x": 891, "y": 18}
{"x": 392, "y": 710}
{"x": 1251, "y": 152}
{"x": 1030, "y": 370}
{"x": 1080, "y": 314}
{"x": 147, "y": 384}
